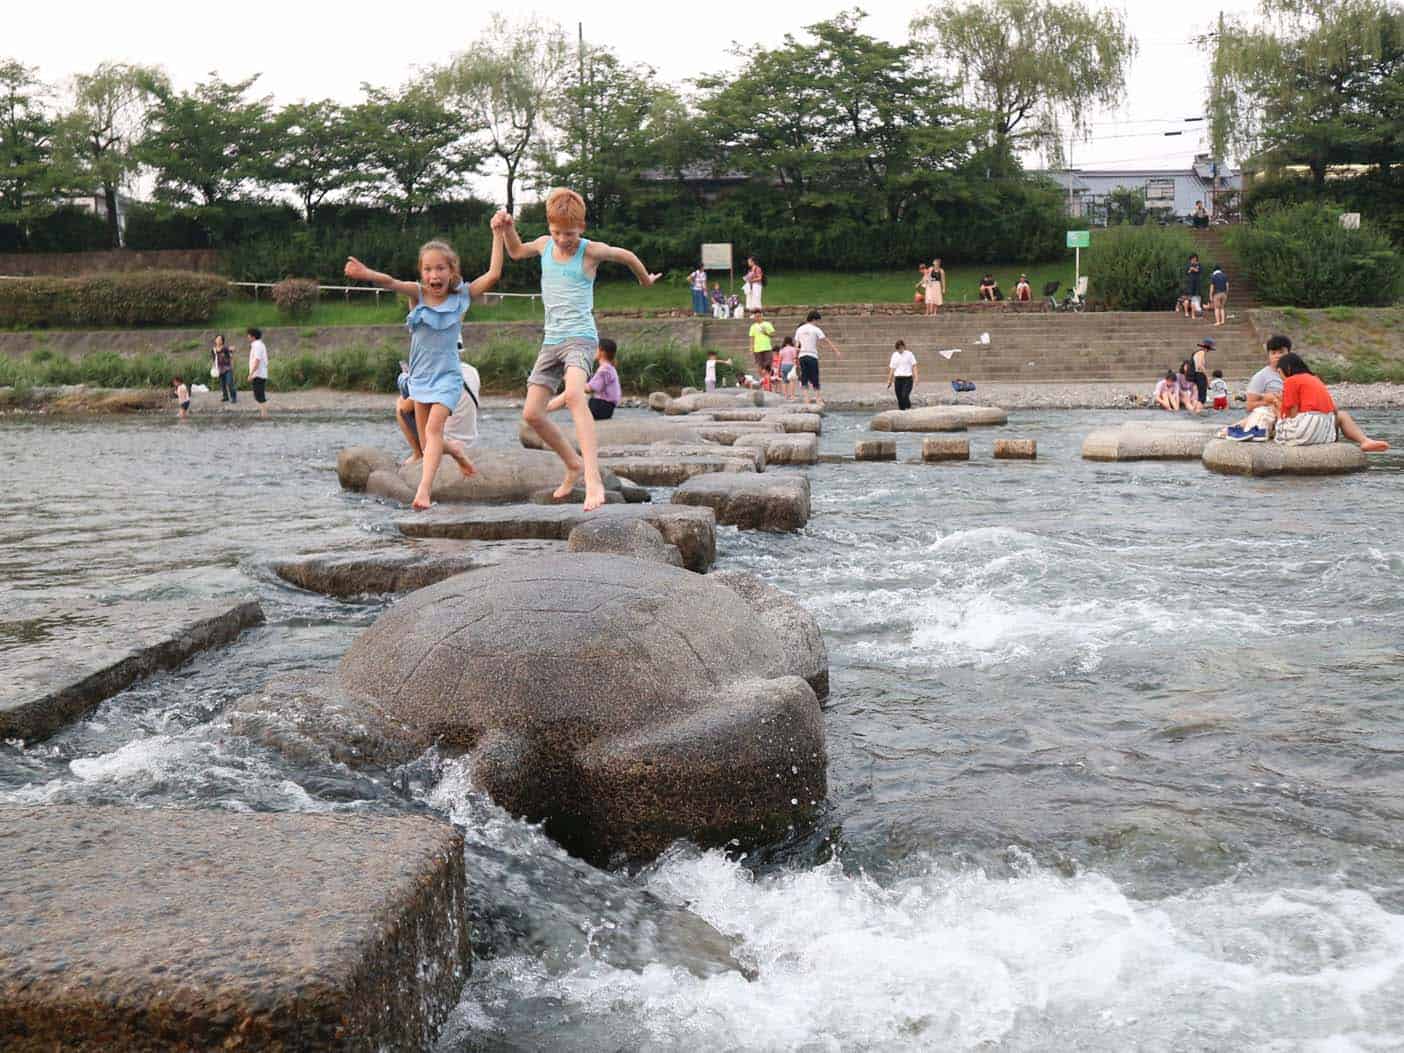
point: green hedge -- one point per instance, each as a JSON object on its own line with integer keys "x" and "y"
{"x": 138, "y": 298}
{"x": 1301, "y": 256}
{"x": 1138, "y": 268}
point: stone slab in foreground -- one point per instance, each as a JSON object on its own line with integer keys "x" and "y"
{"x": 692, "y": 530}
{"x": 401, "y": 569}
{"x": 181, "y": 929}
{"x": 63, "y": 658}
{"x": 773, "y": 502}
{"x": 1271, "y": 458}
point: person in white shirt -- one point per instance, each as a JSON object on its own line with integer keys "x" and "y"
{"x": 808, "y": 337}
{"x": 902, "y": 374}
{"x": 709, "y": 378}
{"x": 258, "y": 369}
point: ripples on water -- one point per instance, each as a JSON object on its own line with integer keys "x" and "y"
{"x": 1115, "y": 750}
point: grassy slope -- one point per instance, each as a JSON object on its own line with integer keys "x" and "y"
{"x": 1362, "y": 344}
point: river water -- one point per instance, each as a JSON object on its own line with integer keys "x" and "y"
{"x": 1116, "y": 751}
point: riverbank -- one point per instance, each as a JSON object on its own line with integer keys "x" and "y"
{"x": 79, "y": 400}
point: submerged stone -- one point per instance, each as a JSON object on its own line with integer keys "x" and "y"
{"x": 75, "y": 654}
{"x": 183, "y": 929}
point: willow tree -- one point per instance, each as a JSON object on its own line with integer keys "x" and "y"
{"x": 1031, "y": 65}
{"x": 508, "y": 82}
{"x": 1310, "y": 82}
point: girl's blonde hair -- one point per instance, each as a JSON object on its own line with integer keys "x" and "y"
{"x": 565, "y": 206}
{"x": 446, "y": 250}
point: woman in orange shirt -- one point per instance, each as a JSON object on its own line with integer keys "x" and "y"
{"x": 1308, "y": 416}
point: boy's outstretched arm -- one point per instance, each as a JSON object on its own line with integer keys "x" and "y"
{"x": 601, "y": 253}
{"x": 359, "y": 272}
{"x": 516, "y": 248}
{"x": 487, "y": 280}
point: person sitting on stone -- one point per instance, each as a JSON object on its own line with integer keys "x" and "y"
{"x": 1167, "y": 392}
{"x": 1023, "y": 291}
{"x": 989, "y": 289}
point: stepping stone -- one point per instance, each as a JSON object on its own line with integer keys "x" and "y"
{"x": 727, "y": 434}
{"x": 1015, "y": 449}
{"x": 945, "y": 449}
{"x": 692, "y": 530}
{"x": 630, "y": 431}
{"x": 401, "y": 569}
{"x": 624, "y": 537}
{"x": 1159, "y": 441}
{"x": 1271, "y": 458}
{"x": 772, "y": 502}
{"x": 166, "y": 928}
{"x": 753, "y": 456}
{"x": 70, "y": 655}
{"x": 939, "y": 418}
{"x": 802, "y": 448}
{"x": 575, "y": 497}
{"x": 503, "y": 475}
{"x": 795, "y": 423}
{"x": 875, "y": 450}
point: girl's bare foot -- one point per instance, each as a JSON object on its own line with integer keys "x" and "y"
{"x": 572, "y": 476}
{"x": 412, "y": 459}
{"x": 1374, "y": 446}
{"x": 422, "y": 502}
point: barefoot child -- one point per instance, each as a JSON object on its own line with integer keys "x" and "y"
{"x": 437, "y": 304}
{"x": 569, "y": 263}
{"x": 182, "y": 394}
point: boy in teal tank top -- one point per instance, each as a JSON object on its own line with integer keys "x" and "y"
{"x": 568, "y": 266}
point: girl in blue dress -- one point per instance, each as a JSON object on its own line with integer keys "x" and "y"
{"x": 437, "y": 303}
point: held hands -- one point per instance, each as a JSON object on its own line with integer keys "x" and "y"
{"x": 501, "y": 220}
{"x": 356, "y": 270}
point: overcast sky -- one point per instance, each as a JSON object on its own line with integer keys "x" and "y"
{"x": 314, "y": 51}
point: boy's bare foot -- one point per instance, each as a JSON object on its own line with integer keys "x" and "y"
{"x": 422, "y": 502}
{"x": 594, "y": 495}
{"x": 455, "y": 450}
{"x": 572, "y": 476}
{"x": 1374, "y": 446}
{"x": 413, "y": 459}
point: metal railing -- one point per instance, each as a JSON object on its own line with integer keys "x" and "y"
{"x": 347, "y": 290}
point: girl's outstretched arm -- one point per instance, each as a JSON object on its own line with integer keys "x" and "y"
{"x": 359, "y": 272}
{"x": 488, "y": 279}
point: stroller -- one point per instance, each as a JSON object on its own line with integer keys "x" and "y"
{"x": 1072, "y": 300}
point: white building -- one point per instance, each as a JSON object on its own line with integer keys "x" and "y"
{"x": 1169, "y": 191}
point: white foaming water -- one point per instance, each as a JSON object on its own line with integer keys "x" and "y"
{"x": 957, "y": 960}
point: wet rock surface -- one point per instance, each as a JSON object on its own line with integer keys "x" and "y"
{"x": 618, "y": 432}
{"x": 1148, "y": 441}
{"x": 624, "y": 537}
{"x": 939, "y": 418}
{"x": 503, "y": 475}
{"x": 625, "y": 703}
{"x": 795, "y": 632}
{"x": 691, "y": 530}
{"x": 181, "y": 929}
{"x": 773, "y": 501}
{"x": 800, "y": 448}
{"x": 1015, "y": 449}
{"x": 933, "y": 450}
{"x": 403, "y": 568}
{"x": 62, "y": 658}
{"x": 659, "y": 469}
{"x": 1271, "y": 458}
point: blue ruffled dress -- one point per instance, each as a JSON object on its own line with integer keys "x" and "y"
{"x": 434, "y": 373}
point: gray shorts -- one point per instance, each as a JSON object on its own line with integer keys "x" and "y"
{"x": 555, "y": 359}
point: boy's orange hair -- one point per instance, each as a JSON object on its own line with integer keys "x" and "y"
{"x": 564, "y": 206}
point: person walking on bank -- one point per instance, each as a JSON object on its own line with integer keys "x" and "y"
{"x": 808, "y": 337}
{"x": 1218, "y": 288}
{"x": 223, "y": 358}
{"x": 754, "y": 284}
{"x": 258, "y": 369}
{"x": 902, "y": 374}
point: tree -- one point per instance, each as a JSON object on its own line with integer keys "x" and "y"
{"x": 1126, "y": 205}
{"x": 317, "y": 153}
{"x": 26, "y": 146}
{"x": 207, "y": 144}
{"x": 99, "y": 135}
{"x": 611, "y": 129}
{"x": 414, "y": 143}
{"x": 1316, "y": 83}
{"x": 848, "y": 121}
{"x": 509, "y": 82}
{"x": 1030, "y": 62}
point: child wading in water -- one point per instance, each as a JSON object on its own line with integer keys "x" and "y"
{"x": 568, "y": 266}
{"x": 435, "y": 321}
{"x": 182, "y": 394}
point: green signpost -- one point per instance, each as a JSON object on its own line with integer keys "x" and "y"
{"x": 1077, "y": 241}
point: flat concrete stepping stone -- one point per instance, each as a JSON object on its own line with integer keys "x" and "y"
{"x": 629, "y": 431}
{"x": 754, "y": 456}
{"x": 64, "y": 657}
{"x": 185, "y": 929}
{"x": 726, "y": 434}
{"x": 802, "y": 448}
{"x": 743, "y": 399}
{"x": 1148, "y": 441}
{"x": 503, "y": 475}
{"x": 575, "y": 497}
{"x": 1015, "y": 449}
{"x": 939, "y": 418}
{"x": 945, "y": 450}
{"x": 401, "y": 569}
{"x": 1271, "y": 458}
{"x": 692, "y": 530}
{"x": 772, "y": 501}
{"x": 875, "y": 450}
{"x": 797, "y": 423}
